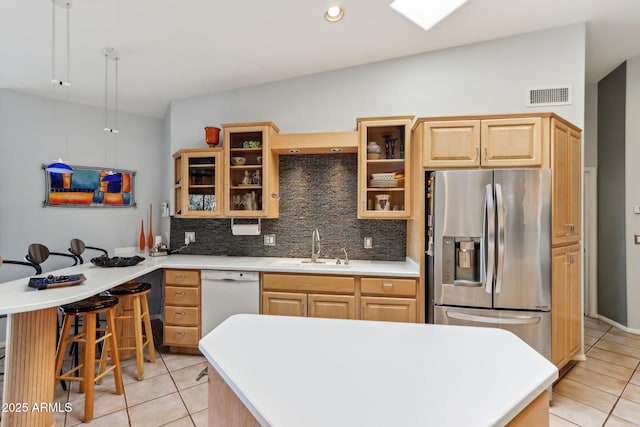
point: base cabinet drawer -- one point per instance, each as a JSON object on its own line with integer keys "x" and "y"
{"x": 182, "y": 296}
{"x": 391, "y": 286}
{"x": 182, "y": 316}
{"x": 181, "y": 335}
{"x": 182, "y": 277}
{"x": 389, "y": 309}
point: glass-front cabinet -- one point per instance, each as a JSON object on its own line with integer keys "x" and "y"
{"x": 251, "y": 181}
{"x": 198, "y": 182}
{"x": 384, "y": 152}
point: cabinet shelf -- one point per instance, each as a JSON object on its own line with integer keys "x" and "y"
{"x": 246, "y": 187}
{"x": 384, "y": 189}
{"x": 386, "y": 161}
{"x": 244, "y": 150}
{"x": 203, "y": 186}
{"x": 202, "y": 165}
{"x": 246, "y": 167}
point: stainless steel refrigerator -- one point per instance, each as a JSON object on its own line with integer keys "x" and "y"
{"x": 489, "y": 251}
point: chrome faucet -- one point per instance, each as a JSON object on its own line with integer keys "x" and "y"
{"x": 346, "y": 257}
{"x": 315, "y": 245}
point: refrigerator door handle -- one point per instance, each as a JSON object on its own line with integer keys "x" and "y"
{"x": 488, "y": 238}
{"x": 513, "y": 320}
{"x": 500, "y": 237}
{"x": 460, "y": 282}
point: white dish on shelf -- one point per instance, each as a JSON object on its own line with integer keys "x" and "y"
{"x": 389, "y": 176}
{"x": 383, "y": 183}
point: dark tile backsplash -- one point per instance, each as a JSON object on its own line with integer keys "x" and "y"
{"x": 316, "y": 191}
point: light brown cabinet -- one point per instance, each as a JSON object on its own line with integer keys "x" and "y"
{"x": 198, "y": 183}
{"x": 340, "y": 297}
{"x": 308, "y": 295}
{"x": 250, "y": 171}
{"x": 182, "y": 308}
{"x": 388, "y": 299}
{"x": 566, "y": 221}
{"x": 384, "y": 196}
{"x": 489, "y": 143}
{"x": 566, "y": 303}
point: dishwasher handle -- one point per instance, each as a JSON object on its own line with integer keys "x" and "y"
{"x": 229, "y": 276}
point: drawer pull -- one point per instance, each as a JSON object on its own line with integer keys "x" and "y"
{"x": 180, "y": 293}
{"x": 180, "y": 313}
{"x": 179, "y": 333}
{"x": 387, "y": 285}
{"x": 181, "y": 276}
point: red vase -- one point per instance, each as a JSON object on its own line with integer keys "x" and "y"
{"x": 142, "y": 239}
{"x": 150, "y": 239}
{"x": 212, "y": 136}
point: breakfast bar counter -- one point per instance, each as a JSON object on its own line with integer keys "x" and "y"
{"x": 29, "y": 380}
{"x": 289, "y": 371}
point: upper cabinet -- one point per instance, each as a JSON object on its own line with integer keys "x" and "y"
{"x": 198, "y": 182}
{"x": 566, "y": 221}
{"x": 251, "y": 171}
{"x": 490, "y": 143}
{"x": 384, "y": 184}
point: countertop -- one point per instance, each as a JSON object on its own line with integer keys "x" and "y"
{"x": 292, "y": 372}
{"x": 17, "y": 297}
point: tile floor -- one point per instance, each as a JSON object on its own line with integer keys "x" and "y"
{"x": 603, "y": 391}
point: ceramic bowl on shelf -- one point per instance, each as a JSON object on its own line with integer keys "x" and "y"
{"x": 238, "y": 161}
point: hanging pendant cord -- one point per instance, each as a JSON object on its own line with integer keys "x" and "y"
{"x": 68, "y": 44}
{"x": 106, "y": 87}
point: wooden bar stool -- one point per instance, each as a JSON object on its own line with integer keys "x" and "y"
{"x": 88, "y": 308}
{"x": 133, "y": 307}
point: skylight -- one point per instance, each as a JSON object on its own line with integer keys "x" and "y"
{"x": 426, "y": 13}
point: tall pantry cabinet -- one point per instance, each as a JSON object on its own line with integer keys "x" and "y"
{"x": 542, "y": 140}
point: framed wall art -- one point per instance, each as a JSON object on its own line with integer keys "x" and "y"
{"x": 90, "y": 186}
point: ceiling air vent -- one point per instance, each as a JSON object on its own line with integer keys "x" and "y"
{"x": 549, "y": 96}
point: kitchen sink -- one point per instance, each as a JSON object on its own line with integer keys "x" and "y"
{"x": 307, "y": 264}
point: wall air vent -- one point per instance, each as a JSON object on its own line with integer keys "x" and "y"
{"x": 540, "y": 97}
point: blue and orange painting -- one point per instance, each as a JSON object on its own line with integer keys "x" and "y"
{"x": 86, "y": 186}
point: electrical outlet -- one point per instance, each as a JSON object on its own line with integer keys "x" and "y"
{"x": 189, "y": 237}
{"x": 269, "y": 239}
{"x": 637, "y": 239}
{"x": 368, "y": 242}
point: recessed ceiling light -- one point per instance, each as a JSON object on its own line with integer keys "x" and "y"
{"x": 334, "y": 14}
{"x": 426, "y": 13}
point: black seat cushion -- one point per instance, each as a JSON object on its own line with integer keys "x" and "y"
{"x": 130, "y": 288}
{"x": 96, "y": 302}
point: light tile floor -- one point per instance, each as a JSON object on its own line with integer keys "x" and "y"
{"x": 603, "y": 391}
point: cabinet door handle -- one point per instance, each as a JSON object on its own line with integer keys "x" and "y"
{"x": 486, "y": 154}
{"x": 572, "y": 229}
{"x": 477, "y": 152}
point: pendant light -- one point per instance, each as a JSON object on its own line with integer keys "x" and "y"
{"x": 110, "y": 54}
{"x": 60, "y": 166}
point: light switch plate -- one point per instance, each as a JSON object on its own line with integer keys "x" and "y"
{"x": 636, "y": 209}
{"x": 368, "y": 242}
{"x": 637, "y": 239}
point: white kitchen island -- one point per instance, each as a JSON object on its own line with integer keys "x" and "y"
{"x": 290, "y": 372}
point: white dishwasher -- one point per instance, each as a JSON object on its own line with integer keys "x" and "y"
{"x": 225, "y": 293}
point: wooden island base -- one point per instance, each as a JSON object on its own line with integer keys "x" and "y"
{"x": 227, "y": 410}
{"x": 30, "y": 361}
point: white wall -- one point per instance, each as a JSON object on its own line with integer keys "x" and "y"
{"x": 484, "y": 78}
{"x": 32, "y": 132}
{"x": 632, "y": 179}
